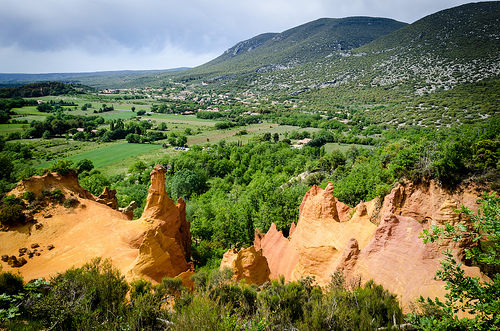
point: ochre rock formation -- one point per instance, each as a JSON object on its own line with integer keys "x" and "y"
{"x": 155, "y": 246}
{"x": 172, "y": 217}
{"x": 376, "y": 240}
{"x": 248, "y": 264}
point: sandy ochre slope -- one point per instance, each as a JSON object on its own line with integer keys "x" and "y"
{"x": 376, "y": 240}
{"x": 154, "y": 246}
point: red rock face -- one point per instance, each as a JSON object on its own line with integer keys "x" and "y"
{"x": 375, "y": 240}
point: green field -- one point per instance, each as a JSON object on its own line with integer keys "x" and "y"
{"x": 108, "y": 155}
{"x": 6, "y": 128}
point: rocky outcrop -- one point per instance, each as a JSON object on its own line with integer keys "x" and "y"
{"x": 172, "y": 216}
{"x": 248, "y": 265}
{"x": 159, "y": 256}
{"x": 68, "y": 184}
{"x": 155, "y": 246}
{"x": 108, "y": 198}
{"x": 376, "y": 240}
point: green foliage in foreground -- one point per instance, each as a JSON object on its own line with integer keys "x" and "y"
{"x": 481, "y": 299}
{"x": 93, "y": 297}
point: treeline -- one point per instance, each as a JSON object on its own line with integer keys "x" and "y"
{"x": 54, "y": 106}
{"x": 40, "y": 90}
{"x": 87, "y": 128}
{"x": 60, "y": 124}
{"x": 94, "y": 297}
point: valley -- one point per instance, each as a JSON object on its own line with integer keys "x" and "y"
{"x": 332, "y": 162}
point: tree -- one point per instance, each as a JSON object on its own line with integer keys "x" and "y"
{"x": 276, "y": 137}
{"x": 266, "y": 136}
{"x": 62, "y": 167}
{"x": 133, "y": 138}
{"x": 79, "y": 136}
{"x": 162, "y": 126}
{"x": 133, "y": 108}
{"x": 138, "y": 167}
{"x": 481, "y": 299}
{"x": 6, "y": 166}
{"x": 84, "y": 165}
{"x": 186, "y": 182}
{"x": 95, "y": 183}
{"x": 181, "y": 140}
{"x": 46, "y": 135}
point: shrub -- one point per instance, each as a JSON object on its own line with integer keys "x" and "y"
{"x": 71, "y": 203}
{"x": 12, "y": 200}
{"x": 11, "y": 215}
{"x": 62, "y": 167}
{"x": 90, "y": 297}
{"x": 10, "y": 283}
{"x": 29, "y": 196}
{"x": 57, "y": 194}
{"x": 84, "y": 165}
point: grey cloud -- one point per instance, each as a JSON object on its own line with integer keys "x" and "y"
{"x": 129, "y": 29}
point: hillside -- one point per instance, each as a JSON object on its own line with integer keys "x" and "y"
{"x": 303, "y": 44}
{"x": 438, "y": 52}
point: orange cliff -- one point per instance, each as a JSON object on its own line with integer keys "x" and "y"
{"x": 376, "y": 240}
{"x": 155, "y": 246}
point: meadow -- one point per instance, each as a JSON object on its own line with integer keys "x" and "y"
{"x": 108, "y": 155}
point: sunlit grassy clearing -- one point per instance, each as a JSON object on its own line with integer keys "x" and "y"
{"x": 110, "y": 154}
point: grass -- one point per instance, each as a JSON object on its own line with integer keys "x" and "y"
{"x": 6, "y": 128}
{"x": 114, "y": 115}
{"x": 343, "y": 147}
{"x": 110, "y": 154}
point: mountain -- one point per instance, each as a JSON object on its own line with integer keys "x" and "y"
{"x": 438, "y": 52}
{"x": 303, "y": 44}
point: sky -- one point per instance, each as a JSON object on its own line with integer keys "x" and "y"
{"x": 59, "y": 36}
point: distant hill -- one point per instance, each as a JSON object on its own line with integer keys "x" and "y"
{"x": 100, "y": 80}
{"x": 42, "y": 89}
{"x": 362, "y": 57}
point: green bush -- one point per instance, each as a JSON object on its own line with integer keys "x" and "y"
{"x": 29, "y": 196}
{"x": 12, "y": 215}
{"x": 90, "y": 297}
{"x": 12, "y": 200}
{"x": 62, "y": 167}
{"x": 10, "y": 283}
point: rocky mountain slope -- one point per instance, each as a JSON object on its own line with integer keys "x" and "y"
{"x": 376, "y": 240}
{"x": 303, "y": 44}
{"x": 440, "y": 51}
{"x": 84, "y": 227}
